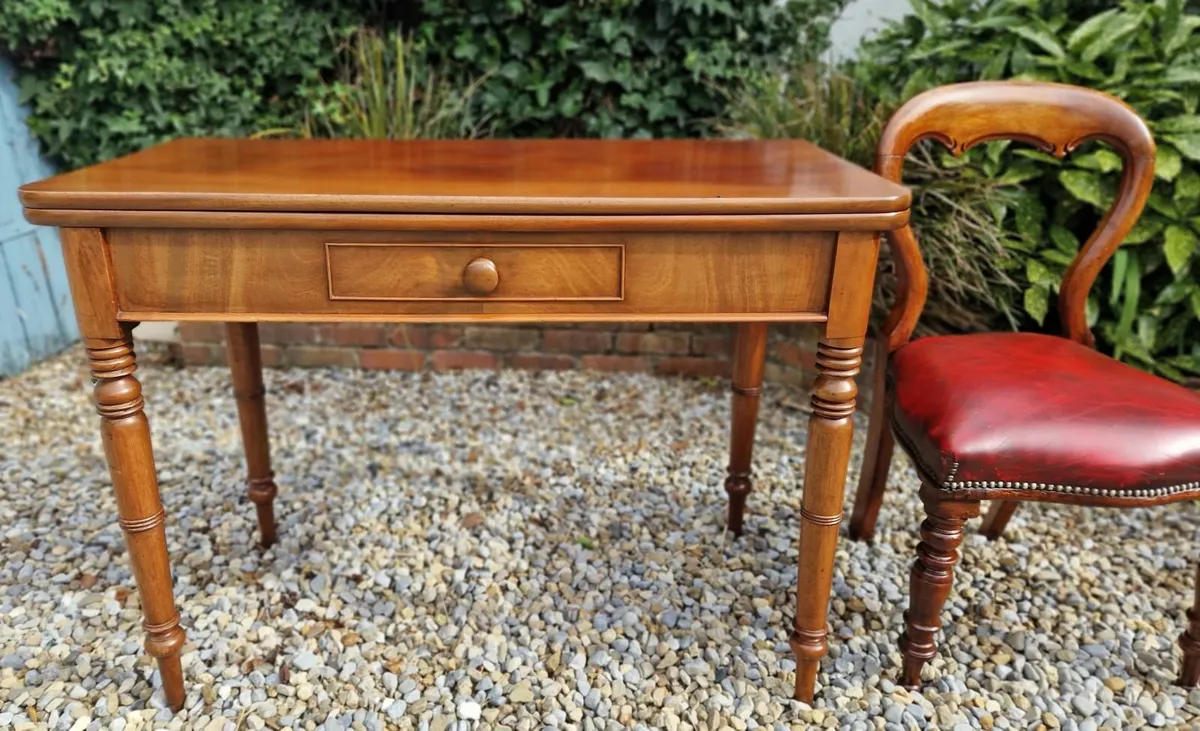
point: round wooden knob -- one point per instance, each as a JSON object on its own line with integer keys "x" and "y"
{"x": 480, "y": 277}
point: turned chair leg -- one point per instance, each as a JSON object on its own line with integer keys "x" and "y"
{"x": 245, "y": 365}
{"x": 877, "y": 453}
{"x": 750, "y": 352}
{"x": 1189, "y": 674}
{"x": 997, "y": 518}
{"x": 931, "y": 578}
{"x": 126, "y": 436}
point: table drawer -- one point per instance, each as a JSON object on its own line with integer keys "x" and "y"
{"x": 282, "y": 274}
{"x": 408, "y": 272}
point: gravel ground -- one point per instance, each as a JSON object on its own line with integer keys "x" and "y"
{"x": 515, "y": 550}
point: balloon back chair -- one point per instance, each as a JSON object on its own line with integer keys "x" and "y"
{"x": 1009, "y": 417}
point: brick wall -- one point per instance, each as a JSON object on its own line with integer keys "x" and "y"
{"x": 667, "y": 349}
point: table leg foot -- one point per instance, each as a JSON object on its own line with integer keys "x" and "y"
{"x": 245, "y": 367}
{"x": 750, "y": 353}
{"x": 126, "y": 435}
{"x": 830, "y": 432}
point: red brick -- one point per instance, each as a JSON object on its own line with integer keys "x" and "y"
{"x": 795, "y": 355}
{"x": 660, "y": 342}
{"x": 776, "y": 373}
{"x": 391, "y": 359}
{"x": 714, "y": 344}
{"x": 448, "y": 360}
{"x": 202, "y": 332}
{"x": 622, "y": 363}
{"x": 427, "y": 337}
{"x": 576, "y": 341}
{"x": 272, "y": 355}
{"x": 357, "y": 334}
{"x": 541, "y": 362}
{"x": 321, "y": 356}
{"x": 287, "y": 333}
{"x": 500, "y": 338}
{"x": 201, "y": 354}
{"x": 707, "y": 367}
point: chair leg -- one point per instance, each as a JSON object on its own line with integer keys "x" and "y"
{"x": 877, "y": 454}
{"x": 1189, "y": 674}
{"x": 750, "y": 352}
{"x": 931, "y": 579}
{"x": 245, "y": 365}
{"x": 997, "y": 518}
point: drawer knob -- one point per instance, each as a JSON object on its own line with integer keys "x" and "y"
{"x": 480, "y": 277}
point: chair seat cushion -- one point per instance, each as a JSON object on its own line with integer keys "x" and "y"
{"x": 1019, "y": 415}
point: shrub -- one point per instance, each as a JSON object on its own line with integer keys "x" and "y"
{"x": 107, "y": 77}
{"x": 615, "y": 68}
{"x": 1146, "y": 305}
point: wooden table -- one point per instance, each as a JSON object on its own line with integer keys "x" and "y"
{"x": 243, "y": 232}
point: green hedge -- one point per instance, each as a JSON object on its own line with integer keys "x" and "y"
{"x": 1146, "y": 304}
{"x": 107, "y": 77}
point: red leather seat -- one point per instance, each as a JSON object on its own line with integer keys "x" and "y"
{"x": 1032, "y": 416}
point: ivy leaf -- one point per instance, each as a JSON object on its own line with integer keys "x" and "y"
{"x": 1040, "y": 38}
{"x": 1187, "y": 187}
{"x": 1089, "y": 29}
{"x": 1179, "y": 246}
{"x": 1187, "y": 144}
{"x": 1146, "y": 228}
{"x": 1101, "y": 159}
{"x": 1037, "y": 303}
{"x": 1167, "y": 162}
{"x": 1084, "y": 185}
{"x": 1180, "y": 123}
{"x": 1038, "y": 273}
{"x": 1113, "y": 30}
{"x": 1064, "y": 239}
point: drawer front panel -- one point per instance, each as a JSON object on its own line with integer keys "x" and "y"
{"x": 503, "y": 273}
{"x": 167, "y": 274}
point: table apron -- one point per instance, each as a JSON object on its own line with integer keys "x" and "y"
{"x": 410, "y": 276}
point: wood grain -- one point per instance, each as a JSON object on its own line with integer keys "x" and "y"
{"x": 245, "y": 367}
{"x": 174, "y": 274}
{"x": 482, "y": 176}
{"x": 431, "y": 272}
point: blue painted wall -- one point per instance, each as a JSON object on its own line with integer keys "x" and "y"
{"x": 36, "y": 319}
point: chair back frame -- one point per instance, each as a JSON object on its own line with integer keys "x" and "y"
{"x": 1055, "y": 118}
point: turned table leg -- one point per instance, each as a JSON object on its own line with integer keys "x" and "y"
{"x": 126, "y": 435}
{"x": 830, "y": 430}
{"x": 245, "y": 365}
{"x": 749, "y": 354}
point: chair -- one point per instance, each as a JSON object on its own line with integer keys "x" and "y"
{"x": 1019, "y": 416}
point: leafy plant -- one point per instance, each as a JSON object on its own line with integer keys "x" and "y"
{"x": 965, "y": 250}
{"x": 615, "y": 68}
{"x": 1146, "y": 306}
{"x": 107, "y": 77}
{"x": 388, "y": 90}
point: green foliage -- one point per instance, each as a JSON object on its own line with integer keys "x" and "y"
{"x": 615, "y": 68}
{"x": 964, "y": 248}
{"x": 107, "y": 77}
{"x": 1146, "y": 306}
{"x": 387, "y": 90}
